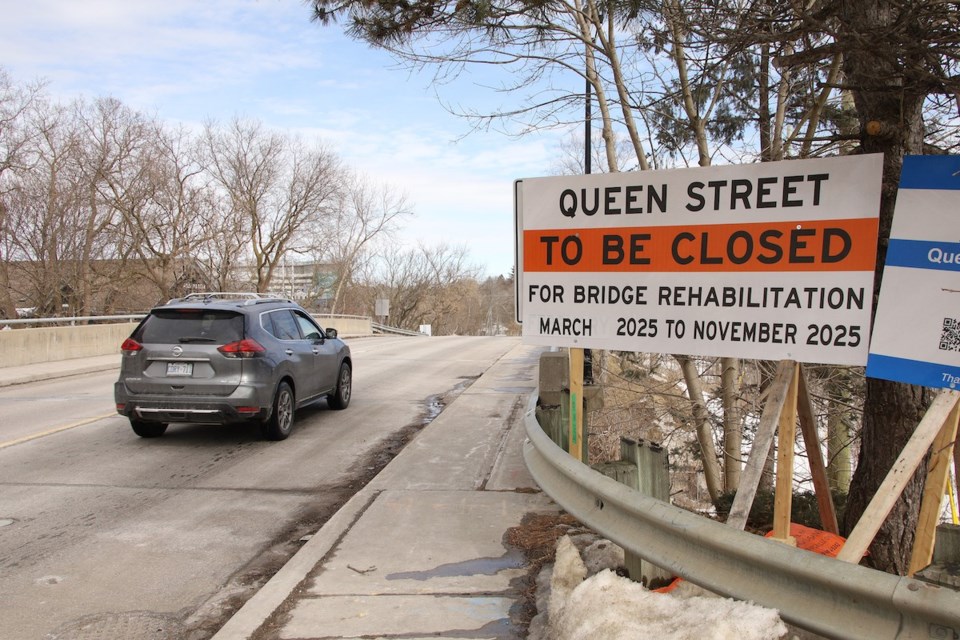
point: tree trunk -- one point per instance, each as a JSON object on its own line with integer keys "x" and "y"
{"x": 732, "y": 425}
{"x": 891, "y": 410}
{"x": 839, "y": 454}
{"x": 701, "y": 418}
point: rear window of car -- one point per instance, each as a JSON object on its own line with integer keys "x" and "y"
{"x": 201, "y": 326}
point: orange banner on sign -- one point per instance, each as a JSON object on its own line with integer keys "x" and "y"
{"x": 818, "y": 245}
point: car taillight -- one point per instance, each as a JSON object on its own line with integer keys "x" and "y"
{"x": 242, "y": 349}
{"x": 130, "y": 346}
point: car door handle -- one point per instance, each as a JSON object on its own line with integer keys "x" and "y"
{"x": 316, "y": 352}
{"x": 289, "y": 352}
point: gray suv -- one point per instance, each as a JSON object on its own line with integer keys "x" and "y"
{"x": 226, "y": 358}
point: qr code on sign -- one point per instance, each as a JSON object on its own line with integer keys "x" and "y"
{"x": 950, "y": 335}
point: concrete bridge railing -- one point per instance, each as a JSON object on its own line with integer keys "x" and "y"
{"x": 22, "y": 346}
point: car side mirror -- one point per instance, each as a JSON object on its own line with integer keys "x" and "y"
{"x": 331, "y": 332}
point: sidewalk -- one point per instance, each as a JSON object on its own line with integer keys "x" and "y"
{"x": 58, "y": 369}
{"x": 419, "y": 552}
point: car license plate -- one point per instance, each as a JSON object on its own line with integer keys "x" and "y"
{"x": 179, "y": 368}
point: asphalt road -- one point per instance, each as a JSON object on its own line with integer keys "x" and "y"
{"x": 104, "y": 534}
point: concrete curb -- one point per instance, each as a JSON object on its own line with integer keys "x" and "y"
{"x": 272, "y": 595}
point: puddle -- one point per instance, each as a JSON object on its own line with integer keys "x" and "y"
{"x": 476, "y": 567}
{"x": 434, "y": 405}
{"x": 432, "y": 408}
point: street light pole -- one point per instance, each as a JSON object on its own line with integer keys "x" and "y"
{"x": 588, "y": 117}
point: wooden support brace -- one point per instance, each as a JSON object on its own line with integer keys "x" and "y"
{"x": 818, "y": 470}
{"x": 955, "y": 490}
{"x": 750, "y": 480}
{"x": 892, "y": 486}
{"x": 938, "y": 470}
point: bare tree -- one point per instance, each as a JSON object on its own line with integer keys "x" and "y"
{"x": 174, "y": 221}
{"x": 448, "y": 267}
{"x": 15, "y": 136}
{"x": 116, "y": 147}
{"x": 367, "y": 212}
{"x": 403, "y": 281}
{"x": 425, "y": 285}
{"x": 46, "y": 207}
{"x": 284, "y": 190}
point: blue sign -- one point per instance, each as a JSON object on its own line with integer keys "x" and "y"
{"x": 916, "y": 334}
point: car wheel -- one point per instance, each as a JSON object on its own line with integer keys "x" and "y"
{"x": 280, "y": 423}
{"x": 146, "y": 429}
{"x": 340, "y": 398}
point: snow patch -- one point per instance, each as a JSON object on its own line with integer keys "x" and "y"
{"x": 614, "y": 608}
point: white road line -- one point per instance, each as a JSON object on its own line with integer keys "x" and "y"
{"x": 50, "y": 432}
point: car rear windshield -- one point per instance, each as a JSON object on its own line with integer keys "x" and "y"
{"x": 184, "y": 326}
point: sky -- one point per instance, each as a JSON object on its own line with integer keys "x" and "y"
{"x": 188, "y": 61}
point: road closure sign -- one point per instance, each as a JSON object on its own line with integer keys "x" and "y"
{"x": 916, "y": 336}
{"x": 771, "y": 260}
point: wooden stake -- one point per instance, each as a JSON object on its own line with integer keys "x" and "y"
{"x": 786, "y": 443}
{"x": 818, "y": 471}
{"x": 892, "y": 486}
{"x": 576, "y": 403}
{"x": 938, "y": 470}
{"x": 753, "y": 471}
{"x": 955, "y": 489}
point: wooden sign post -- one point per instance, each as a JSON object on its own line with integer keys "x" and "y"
{"x": 786, "y": 441}
{"x": 576, "y": 403}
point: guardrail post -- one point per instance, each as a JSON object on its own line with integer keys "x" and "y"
{"x": 642, "y": 467}
{"x": 654, "y": 480}
{"x": 554, "y": 400}
{"x": 945, "y": 568}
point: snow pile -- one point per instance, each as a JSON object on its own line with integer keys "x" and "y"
{"x": 569, "y": 572}
{"x": 610, "y": 607}
{"x": 601, "y": 555}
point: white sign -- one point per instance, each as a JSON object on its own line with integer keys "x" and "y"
{"x": 771, "y": 260}
{"x": 916, "y": 336}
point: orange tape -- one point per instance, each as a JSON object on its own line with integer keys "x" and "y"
{"x": 822, "y": 542}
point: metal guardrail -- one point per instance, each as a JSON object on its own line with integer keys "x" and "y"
{"x": 814, "y": 592}
{"x": 135, "y": 316}
{"x": 338, "y": 315}
{"x": 72, "y": 319}
{"x": 382, "y": 328}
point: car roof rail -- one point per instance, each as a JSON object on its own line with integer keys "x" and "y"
{"x": 245, "y": 297}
